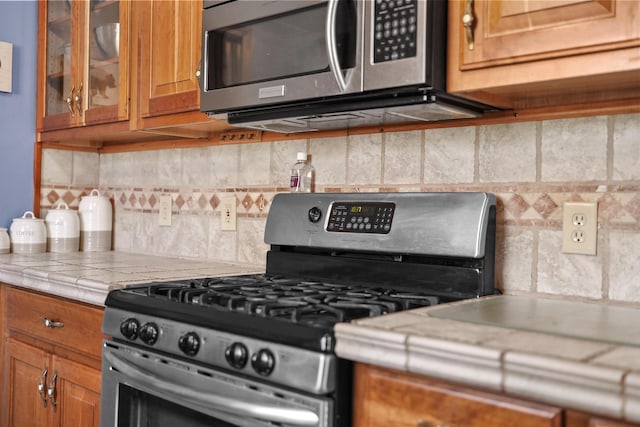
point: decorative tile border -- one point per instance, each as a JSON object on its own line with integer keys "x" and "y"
{"x": 518, "y": 205}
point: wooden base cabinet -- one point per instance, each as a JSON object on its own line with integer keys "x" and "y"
{"x": 46, "y": 390}
{"x": 385, "y": 397}
{"x": 51, "y": 361}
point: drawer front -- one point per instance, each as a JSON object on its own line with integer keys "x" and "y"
{"x": 384, "y": 398}
{"x": 54, "y": 320}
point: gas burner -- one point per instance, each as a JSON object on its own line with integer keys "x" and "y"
{"x": 312, "y": 303}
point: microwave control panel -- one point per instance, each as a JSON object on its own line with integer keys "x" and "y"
{"x": 395, "y": 30}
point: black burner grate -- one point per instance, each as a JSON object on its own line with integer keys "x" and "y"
{"x": 311, "y": 303}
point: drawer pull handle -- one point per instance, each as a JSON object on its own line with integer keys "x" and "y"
{"x": 51, "y": 391}
{"x": 423, "y": 423}
{"x": 41, "y": 391}
{"x": 51, "y": 324}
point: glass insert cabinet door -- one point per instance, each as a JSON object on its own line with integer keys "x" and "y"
{"x": 83, "y": 72}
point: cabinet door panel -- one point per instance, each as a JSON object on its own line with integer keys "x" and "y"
{"x": 57, "y": 58}
{"x": 83, "y": 72}
{"x": 538, "y": 54}
{"x": 78, "y": 394}
{"x": 106, "y": 79}
{"x": 385, "y": 398}
{"x": 24, "y": 366}
{"x": 170, "y": 40}
{"x": 518, "y": 31}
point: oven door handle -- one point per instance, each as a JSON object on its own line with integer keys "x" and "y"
{"x": 297, "y": 417}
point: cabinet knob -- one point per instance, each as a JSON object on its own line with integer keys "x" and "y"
{"x": 52, "y": 324}
{"x": 467, "y": 23}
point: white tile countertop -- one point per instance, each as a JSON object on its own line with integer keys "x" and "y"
{"x": 89, "y": 276}
{"x": 491, "y": 345}
{"x": 518, "y": 350}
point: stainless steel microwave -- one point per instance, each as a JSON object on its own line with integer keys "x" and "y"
{"x": 299, "y": 65}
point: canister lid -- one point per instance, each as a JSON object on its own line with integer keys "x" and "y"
{"x": 28, "y": 216}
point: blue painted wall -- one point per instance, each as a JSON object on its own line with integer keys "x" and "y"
{"x": 19, "y": 26}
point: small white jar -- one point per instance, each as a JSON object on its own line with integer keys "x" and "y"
{"x": 5, "y": 241}
{"x": 63, "y": 229}
{"x": 96, "y": 216}
{"x": 28, "y": 234}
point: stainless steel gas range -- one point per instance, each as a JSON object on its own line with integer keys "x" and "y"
{"x": 258, "y": 350}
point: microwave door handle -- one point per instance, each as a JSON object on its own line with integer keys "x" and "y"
{"x": 239, "y": 407}
{"x": 332, "y": 48}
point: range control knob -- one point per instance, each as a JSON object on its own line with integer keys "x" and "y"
{"x": 129, "y": 328}
{"x": 149, "y": 333}
{"x": 263, "y": 362}
{"x": 315, "y": 214}
{"x": 237, "y": 355}
{"x": 189, "y": 343}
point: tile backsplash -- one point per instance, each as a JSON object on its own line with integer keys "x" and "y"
{"x": 532, "y": 167}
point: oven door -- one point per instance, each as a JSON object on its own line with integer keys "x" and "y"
{"x": 141, "y": 388}
{"x": 272, "y": 52}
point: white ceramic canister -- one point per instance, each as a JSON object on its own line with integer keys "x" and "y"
{"x": 63, "y": 229}
{"x": 28, "y": 234}
{"x": 95, "y": 222}
{"x": 5, "y": 241}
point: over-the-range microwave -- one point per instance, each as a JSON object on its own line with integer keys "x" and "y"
{"x": 301, "y": 65}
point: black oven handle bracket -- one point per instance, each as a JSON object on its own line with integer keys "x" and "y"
{"x": 237, "y": 407}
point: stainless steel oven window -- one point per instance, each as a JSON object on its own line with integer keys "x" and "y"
{"x": 143, "y": 389}
{"x": 137, "y": 408}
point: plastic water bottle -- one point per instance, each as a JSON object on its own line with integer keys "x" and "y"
{"x": 302, "y": 174}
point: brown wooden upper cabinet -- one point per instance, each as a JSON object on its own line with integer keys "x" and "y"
{"x": 83, "y": 63}
{"x": 532, "y": 53}
{"x": 169, "y": 38}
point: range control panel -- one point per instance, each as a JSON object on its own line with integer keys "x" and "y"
{"x": 365, "y": 217}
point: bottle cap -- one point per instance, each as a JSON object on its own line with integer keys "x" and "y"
{"x": 301, "y": 155}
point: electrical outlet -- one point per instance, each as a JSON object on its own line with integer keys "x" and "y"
{"x": 228, "y": 213}
{"x": 579, "y": 228}
{"x": 164, "y": 208}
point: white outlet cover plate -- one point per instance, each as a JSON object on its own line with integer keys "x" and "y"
{"x": 6, "y": 66}
{"x": 589, "y": 229}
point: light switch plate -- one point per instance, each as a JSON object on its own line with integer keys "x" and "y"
{"x": 6, "y": 66}
{"x": 164, "y": 209}
{"x": 228, "y": 213}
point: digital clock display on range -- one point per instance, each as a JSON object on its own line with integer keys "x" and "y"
{"x": 361, "y": 217}
{"x": 364, "y": 210}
